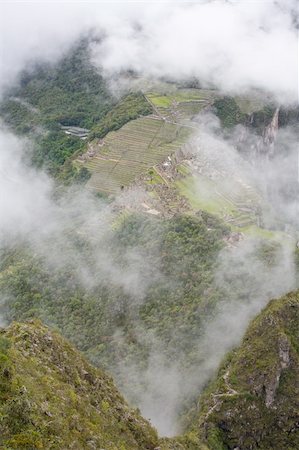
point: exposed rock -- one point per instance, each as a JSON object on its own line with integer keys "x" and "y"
{"x": 270, "y": 133}
{"x": 254, "y": 403}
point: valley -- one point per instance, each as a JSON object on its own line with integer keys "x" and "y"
{"x": 152, "y": 241}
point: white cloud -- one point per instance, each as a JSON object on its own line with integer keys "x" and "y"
{"x": 236, "y": 45}
{"x": 24, "y": 194}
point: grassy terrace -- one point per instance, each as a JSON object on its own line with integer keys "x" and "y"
{"x": 181, "y": 103}
{"x": 238, "y": 209}
{"x": 130, "y": 151}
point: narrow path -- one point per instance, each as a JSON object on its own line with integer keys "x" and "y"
{"x": 217, "y": 397}
{"x": 160, "y": 175}
{"x": 153, "y": 106}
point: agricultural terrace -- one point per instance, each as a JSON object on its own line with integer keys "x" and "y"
{"x": 181, "y": 104}
{"x": 237, "y": 203}
{"x": 130, "y": 151}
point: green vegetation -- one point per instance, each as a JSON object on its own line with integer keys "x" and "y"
{"x": 54, "y": 148}
{"x": 70, "y": 92}
{"x": 229, "y": 112}
{"x": 51, "y": 398}
{"x": 180, "y": 104}
{"x": 131, "y": 151}
{"x": 237, "y": 205}
{"x": 251, "y": 103}
{"x": 260, "y": 119}
{"x": 175, "y": 267}
{"x": 129, "y": 108}
{"x": 202, "y": 195}
{"x": 253, "y": 403}
{"x": 178, "y": 259}
{"x": 179, "y": 95}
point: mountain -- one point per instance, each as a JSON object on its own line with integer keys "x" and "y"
{"x": 254, "y": 401}
{"x": 51, "y": 398}
{"x": 171, "y": 223}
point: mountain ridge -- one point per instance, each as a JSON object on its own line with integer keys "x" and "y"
{"x": 250, "y": 404}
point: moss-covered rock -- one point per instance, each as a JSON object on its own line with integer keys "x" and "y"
{"x": 254, "y": 402}
{"x": 51, "y": 398}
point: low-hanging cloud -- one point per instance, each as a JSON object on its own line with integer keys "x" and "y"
{"x": 231, "y": 45}
{"x": 248, "y": 273}
{"x": 234, "y": 46}
{"x": 25, "y": 193}
{"x": 34, "y": 212}
{"x": 31, "y": 211}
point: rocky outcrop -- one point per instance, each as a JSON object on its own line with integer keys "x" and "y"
{"x": 259, "y": 142}
{"x": 270, "y": 134}
{"x": 254, "y": 402}
{"x": 284, "y": 362}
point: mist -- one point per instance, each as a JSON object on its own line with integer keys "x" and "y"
{"x": 249, "y": 272}
{"x": 251, "y": 45}
{"x": 234, "y": 46}
{"x": 33, "y": 212}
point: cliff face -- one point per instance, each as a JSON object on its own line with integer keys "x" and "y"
{"x": 259, "y": 135}
{"x": 270, "y": 133}
{"x": 254, "y": 403}
{"x": 51, "y": 398}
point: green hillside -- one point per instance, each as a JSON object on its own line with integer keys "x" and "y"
{"x": 51, "y": 398}
{"x": 177, "y": 262}
{"x": 70, "y": 92}
{"x": 125, "y": 154}
{"x": 179, "y": 104}
{"x": 173, "y": 224}
{"x": 254, "y": 401}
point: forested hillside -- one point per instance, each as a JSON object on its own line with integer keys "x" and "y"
{"x": 68, "y": 93}
{"x": 148, "y": 220}
{"x": 252, "y": 403}
{"x": 175, "y": 296}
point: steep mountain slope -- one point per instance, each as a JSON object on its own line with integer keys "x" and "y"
{"x": 161, "y": 291}
{"x": 109, "y": 321}
{"x": 51, "y": 398}
{"x": 254, "y": 402}
{"x": 69, "y": 92}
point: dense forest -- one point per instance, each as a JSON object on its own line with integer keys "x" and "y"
{"x": 71, "y": 92}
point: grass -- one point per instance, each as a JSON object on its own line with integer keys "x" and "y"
{"x": 278, "y": 236}
{"x": 154, "y": 177}
{"x": 201, "y": 194}
{"x": 120, "y": 219}
{"x": 183, "y": 169}
{"x": 131, "y": 151}
{"x": 50, "y": 401}
{"x": 235, "y": 207}
{"x": 180, "y": 95}
{"x": 180, "y": 104}
{"x": 162, "y": 101}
